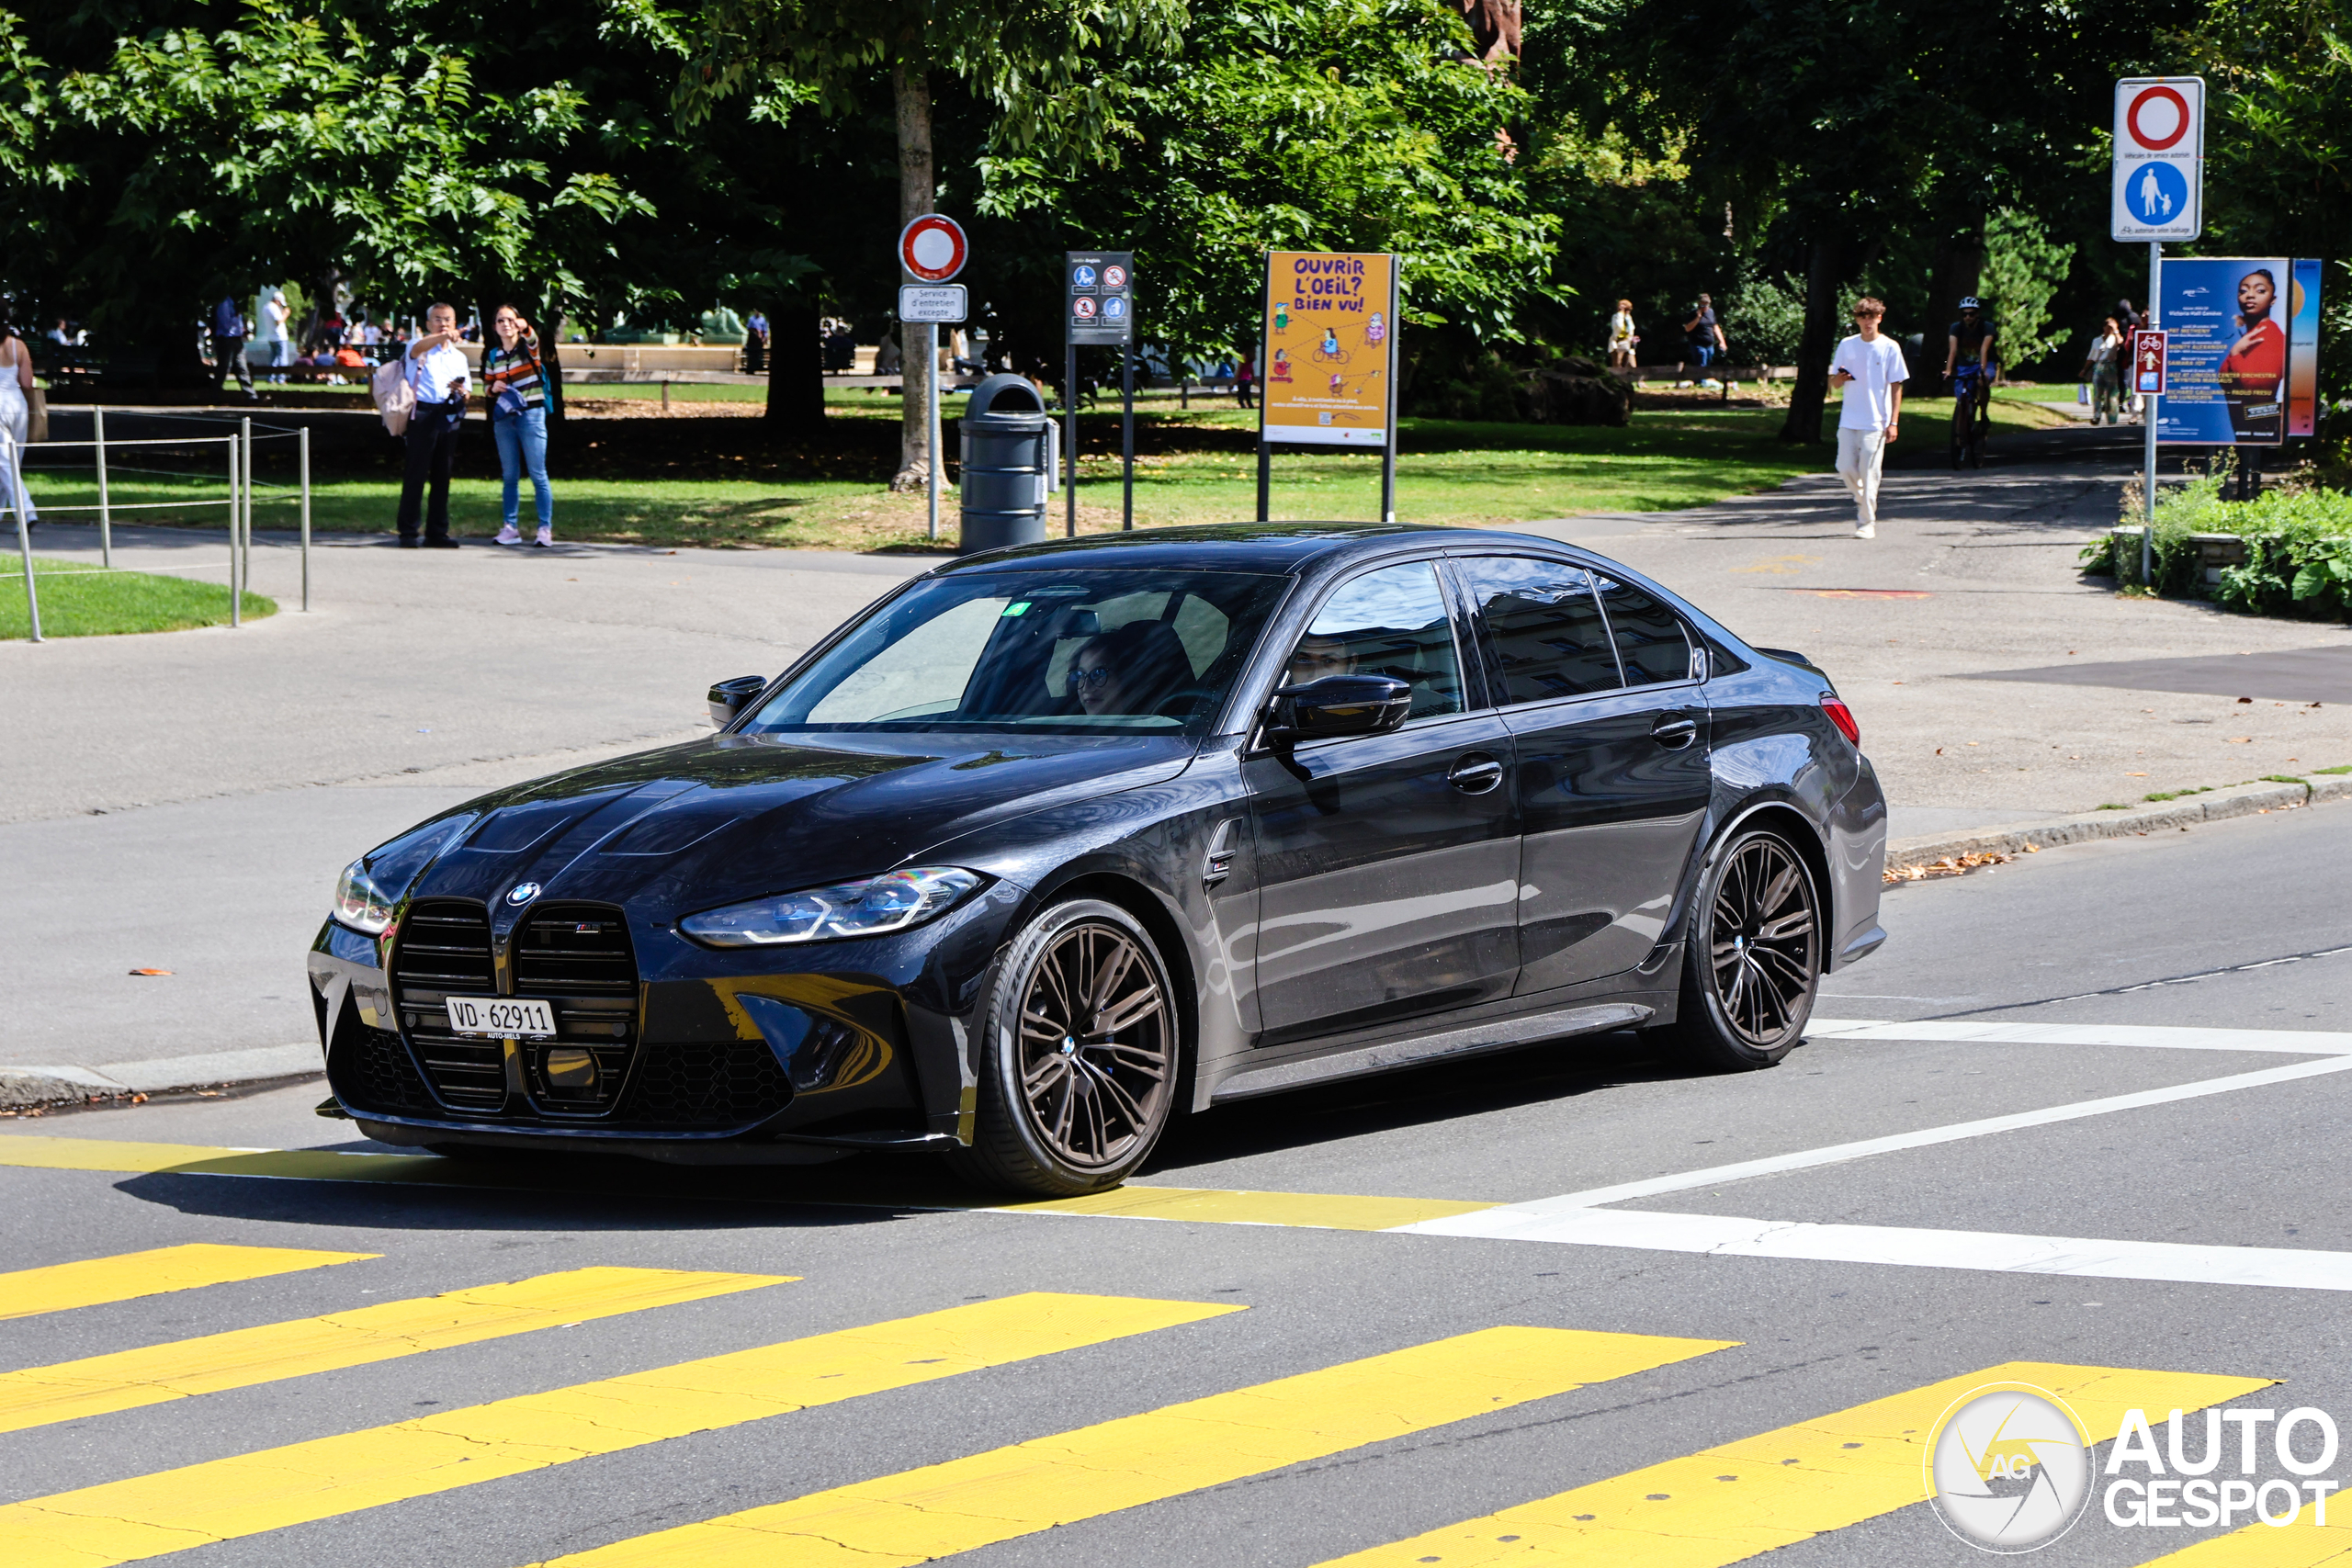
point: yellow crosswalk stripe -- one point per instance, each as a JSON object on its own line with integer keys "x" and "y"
{"x": 130, "y": 1275}
{"x": 125, "y": 1380}
{"x": 1725, "y": 1504}
{"x": 126, "y": 1521}
{"x": 969, "y": 1503}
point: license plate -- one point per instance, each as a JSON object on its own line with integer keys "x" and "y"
{"x": 500, "y": 1017}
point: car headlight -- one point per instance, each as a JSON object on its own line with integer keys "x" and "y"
{"x": 360, "y": 904}
{"x": 870, "y": 907}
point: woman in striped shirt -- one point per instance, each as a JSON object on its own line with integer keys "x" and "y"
{"x": 513, "y": 381}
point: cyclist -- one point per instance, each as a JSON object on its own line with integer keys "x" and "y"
{"x": 1968, "y": 369}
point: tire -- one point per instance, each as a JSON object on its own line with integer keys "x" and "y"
{"x": 1065, "y": 1110}
{"x": 1752, "y": 963}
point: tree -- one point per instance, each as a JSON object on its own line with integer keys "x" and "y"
{"x": 1036, "y": 63}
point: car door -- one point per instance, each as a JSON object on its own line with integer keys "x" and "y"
{"x": 1389, "y": 864}
{"x": 1593, "y": 677}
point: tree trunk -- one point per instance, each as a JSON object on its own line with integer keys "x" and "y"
{"x": 796, "y": 368}
{"x": 549, "y": 323}
{"x": 916, "y": 193}
{"x": 1823, "y": 271}
{"x": 1958, "y": 271}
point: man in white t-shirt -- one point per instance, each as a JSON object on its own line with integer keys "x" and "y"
{"x": 439, "y": 374}
{"x": 1868, "y": 365}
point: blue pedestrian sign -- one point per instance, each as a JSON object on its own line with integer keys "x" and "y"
{"x": 2159, "y": 179}
{"x": 1082, "y": 275}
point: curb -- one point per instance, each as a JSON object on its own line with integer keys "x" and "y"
{"x": 2214, "y": 805}
{"x": 23, "y": 1088}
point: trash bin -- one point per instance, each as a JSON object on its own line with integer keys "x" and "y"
{"x": 1012, "y": 448}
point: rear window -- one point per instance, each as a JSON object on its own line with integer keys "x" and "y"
{"x": 1652, "y": 643}
{"x": 1544, "y": 625}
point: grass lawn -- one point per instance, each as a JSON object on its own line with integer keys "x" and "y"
{"x": 81, "y": 599}
{"x": 1192, "y": 466}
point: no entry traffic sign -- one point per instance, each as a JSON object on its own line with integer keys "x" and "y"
{"x": 2159, "y": 189}
{"x": 931, "y": 248}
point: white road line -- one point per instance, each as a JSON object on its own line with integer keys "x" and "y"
{"x": 2304, "y": 1041}
{"x": 1721, "y": 1236}
{"x": 1836, "y": 1154}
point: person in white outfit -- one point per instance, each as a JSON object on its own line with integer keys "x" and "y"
{"x": 1868, "y": 365}
{"x": 16, "y": 420}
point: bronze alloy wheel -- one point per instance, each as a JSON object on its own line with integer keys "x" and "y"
{"x": 1095, "y": 1046}
{"x": 1763, "y": 944}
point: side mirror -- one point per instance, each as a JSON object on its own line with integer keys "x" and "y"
{"x": 730, "y": 698}
{"x": 1337, "y": 706}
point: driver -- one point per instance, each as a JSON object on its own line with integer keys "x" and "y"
{"x": 1128, "y": 669}
{"x": 1319, "y": 654}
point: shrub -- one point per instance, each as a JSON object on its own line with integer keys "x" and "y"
{"x": 2299, "y": 548}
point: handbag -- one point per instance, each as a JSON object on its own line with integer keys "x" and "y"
{"x": 394, "y": 398}
{"x": 36, "y": 415}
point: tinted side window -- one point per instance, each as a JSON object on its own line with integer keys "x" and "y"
{"x": 1545, "y": 626}
{"x": 1390, "y": 622}
{"x": 1650, "y": 640}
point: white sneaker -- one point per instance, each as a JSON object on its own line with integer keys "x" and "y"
{"x": 507, "y": 535}
{"x": 546, "y": 536}
{"x": 1866, "y": 531}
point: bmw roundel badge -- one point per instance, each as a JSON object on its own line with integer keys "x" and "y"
{"x": 521, "y": 893}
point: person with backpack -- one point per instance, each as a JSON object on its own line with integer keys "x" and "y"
{"x": 228, "y": 349}
{"x": 436, "y": 378}
{"x": 515, "y": 384}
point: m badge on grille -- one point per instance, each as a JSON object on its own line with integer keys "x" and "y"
{"x": 521, "y": 893}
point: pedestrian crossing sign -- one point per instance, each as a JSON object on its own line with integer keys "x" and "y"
{"x": 2159, "y": 178}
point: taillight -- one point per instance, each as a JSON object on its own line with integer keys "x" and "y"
{"x": 1842, "y": 716}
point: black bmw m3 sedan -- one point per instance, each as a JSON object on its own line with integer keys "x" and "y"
{"x": 1053, "y": 842}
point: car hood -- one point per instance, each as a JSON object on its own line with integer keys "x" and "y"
{"x": 734, "y": 816}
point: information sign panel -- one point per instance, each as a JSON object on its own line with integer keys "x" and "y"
{"x": 2225, "y": 350}
{"x": 1099, "y": 287}
{"x": 2302, "y": 351}
{"x": 1329, "y": 324}
{"x": 932, "y": 302}
{"x": 2159, "y": 179}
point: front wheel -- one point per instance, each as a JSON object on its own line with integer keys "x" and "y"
{"x": 1753, "y": 960}
{"x": 1077, "y": 1058}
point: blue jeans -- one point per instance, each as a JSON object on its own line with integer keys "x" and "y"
{"x": 1702, "y": 357}
{"x": 523, "y": 444}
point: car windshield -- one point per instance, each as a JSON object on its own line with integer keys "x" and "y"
{"x": 1066, "y": 652}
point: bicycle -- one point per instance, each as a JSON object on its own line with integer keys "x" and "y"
{"x": 1972, "y": 413}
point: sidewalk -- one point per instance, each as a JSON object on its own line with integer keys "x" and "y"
{"x": 185, "y": 802}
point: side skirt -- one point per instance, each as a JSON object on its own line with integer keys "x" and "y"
{"x": 1497, "y": 1034}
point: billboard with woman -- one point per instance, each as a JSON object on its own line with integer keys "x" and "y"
{"x": 2225, "y": 320}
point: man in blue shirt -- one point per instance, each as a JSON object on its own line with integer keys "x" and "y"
{"x": 229, "y": 346}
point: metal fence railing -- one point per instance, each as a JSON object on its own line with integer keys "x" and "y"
{"x": 238, "y": 499}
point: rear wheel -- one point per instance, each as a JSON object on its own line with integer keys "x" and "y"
{"x": 1753, "y": 960}
{"x": 1079, "y": 1055}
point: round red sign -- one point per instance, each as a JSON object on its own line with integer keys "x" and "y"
{"x": 2150, "y": 136}
{"x": 931, "y": 248}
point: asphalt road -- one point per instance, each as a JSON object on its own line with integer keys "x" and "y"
{"x": 1640, "y": 1375}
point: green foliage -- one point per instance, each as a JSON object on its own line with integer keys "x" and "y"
{"x": 1352, "y": 125}
{"x": 79, "y": 599}
{"x": 1764, "y": 318}
{"x": 2298, "y": 549}
{"x": 2023, "y": 269}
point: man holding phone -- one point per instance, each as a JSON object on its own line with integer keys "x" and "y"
{"x": 1870, "y": 367}
{"x": 439, "y": 376}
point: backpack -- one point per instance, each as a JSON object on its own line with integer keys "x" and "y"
{"x": 392, "y": 394}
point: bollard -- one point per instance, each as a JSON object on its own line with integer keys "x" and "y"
{"x": 245, "y": 531}
{"x": 236, "y": 472}
{"x": 1009, "y": 461}
{"x": 20, "y": 503}
{"x": 302, "y": 447}
{"x": 106, "y": 516}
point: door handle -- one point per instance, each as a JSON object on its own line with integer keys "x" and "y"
{"x": 1674, "y": 731}
{"x": 1476, "y": 773}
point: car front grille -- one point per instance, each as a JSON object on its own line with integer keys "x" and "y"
{"x": 444, "y": 951}
{"x": 725, "y": 1084}
{"x": 577, "y": 958}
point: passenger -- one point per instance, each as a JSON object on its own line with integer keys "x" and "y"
{"x": 1129, "y": 670}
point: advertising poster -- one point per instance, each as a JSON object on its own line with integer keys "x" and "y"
{"x": 1330, "y": 325}
{"x": 2302, "y": 351}
{"x": 2226, "y": 321}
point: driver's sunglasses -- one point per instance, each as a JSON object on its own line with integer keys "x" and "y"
{"x": 1082, "y": 679}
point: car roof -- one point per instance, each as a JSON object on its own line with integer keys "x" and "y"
{"x": 1270, "y": 547}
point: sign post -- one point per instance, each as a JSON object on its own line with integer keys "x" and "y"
{"x": 1330, "y": 371}
{"x": 1099, "y": 287}
{"x": 932, "y": 250}
{"x": 2157, "y": 193}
